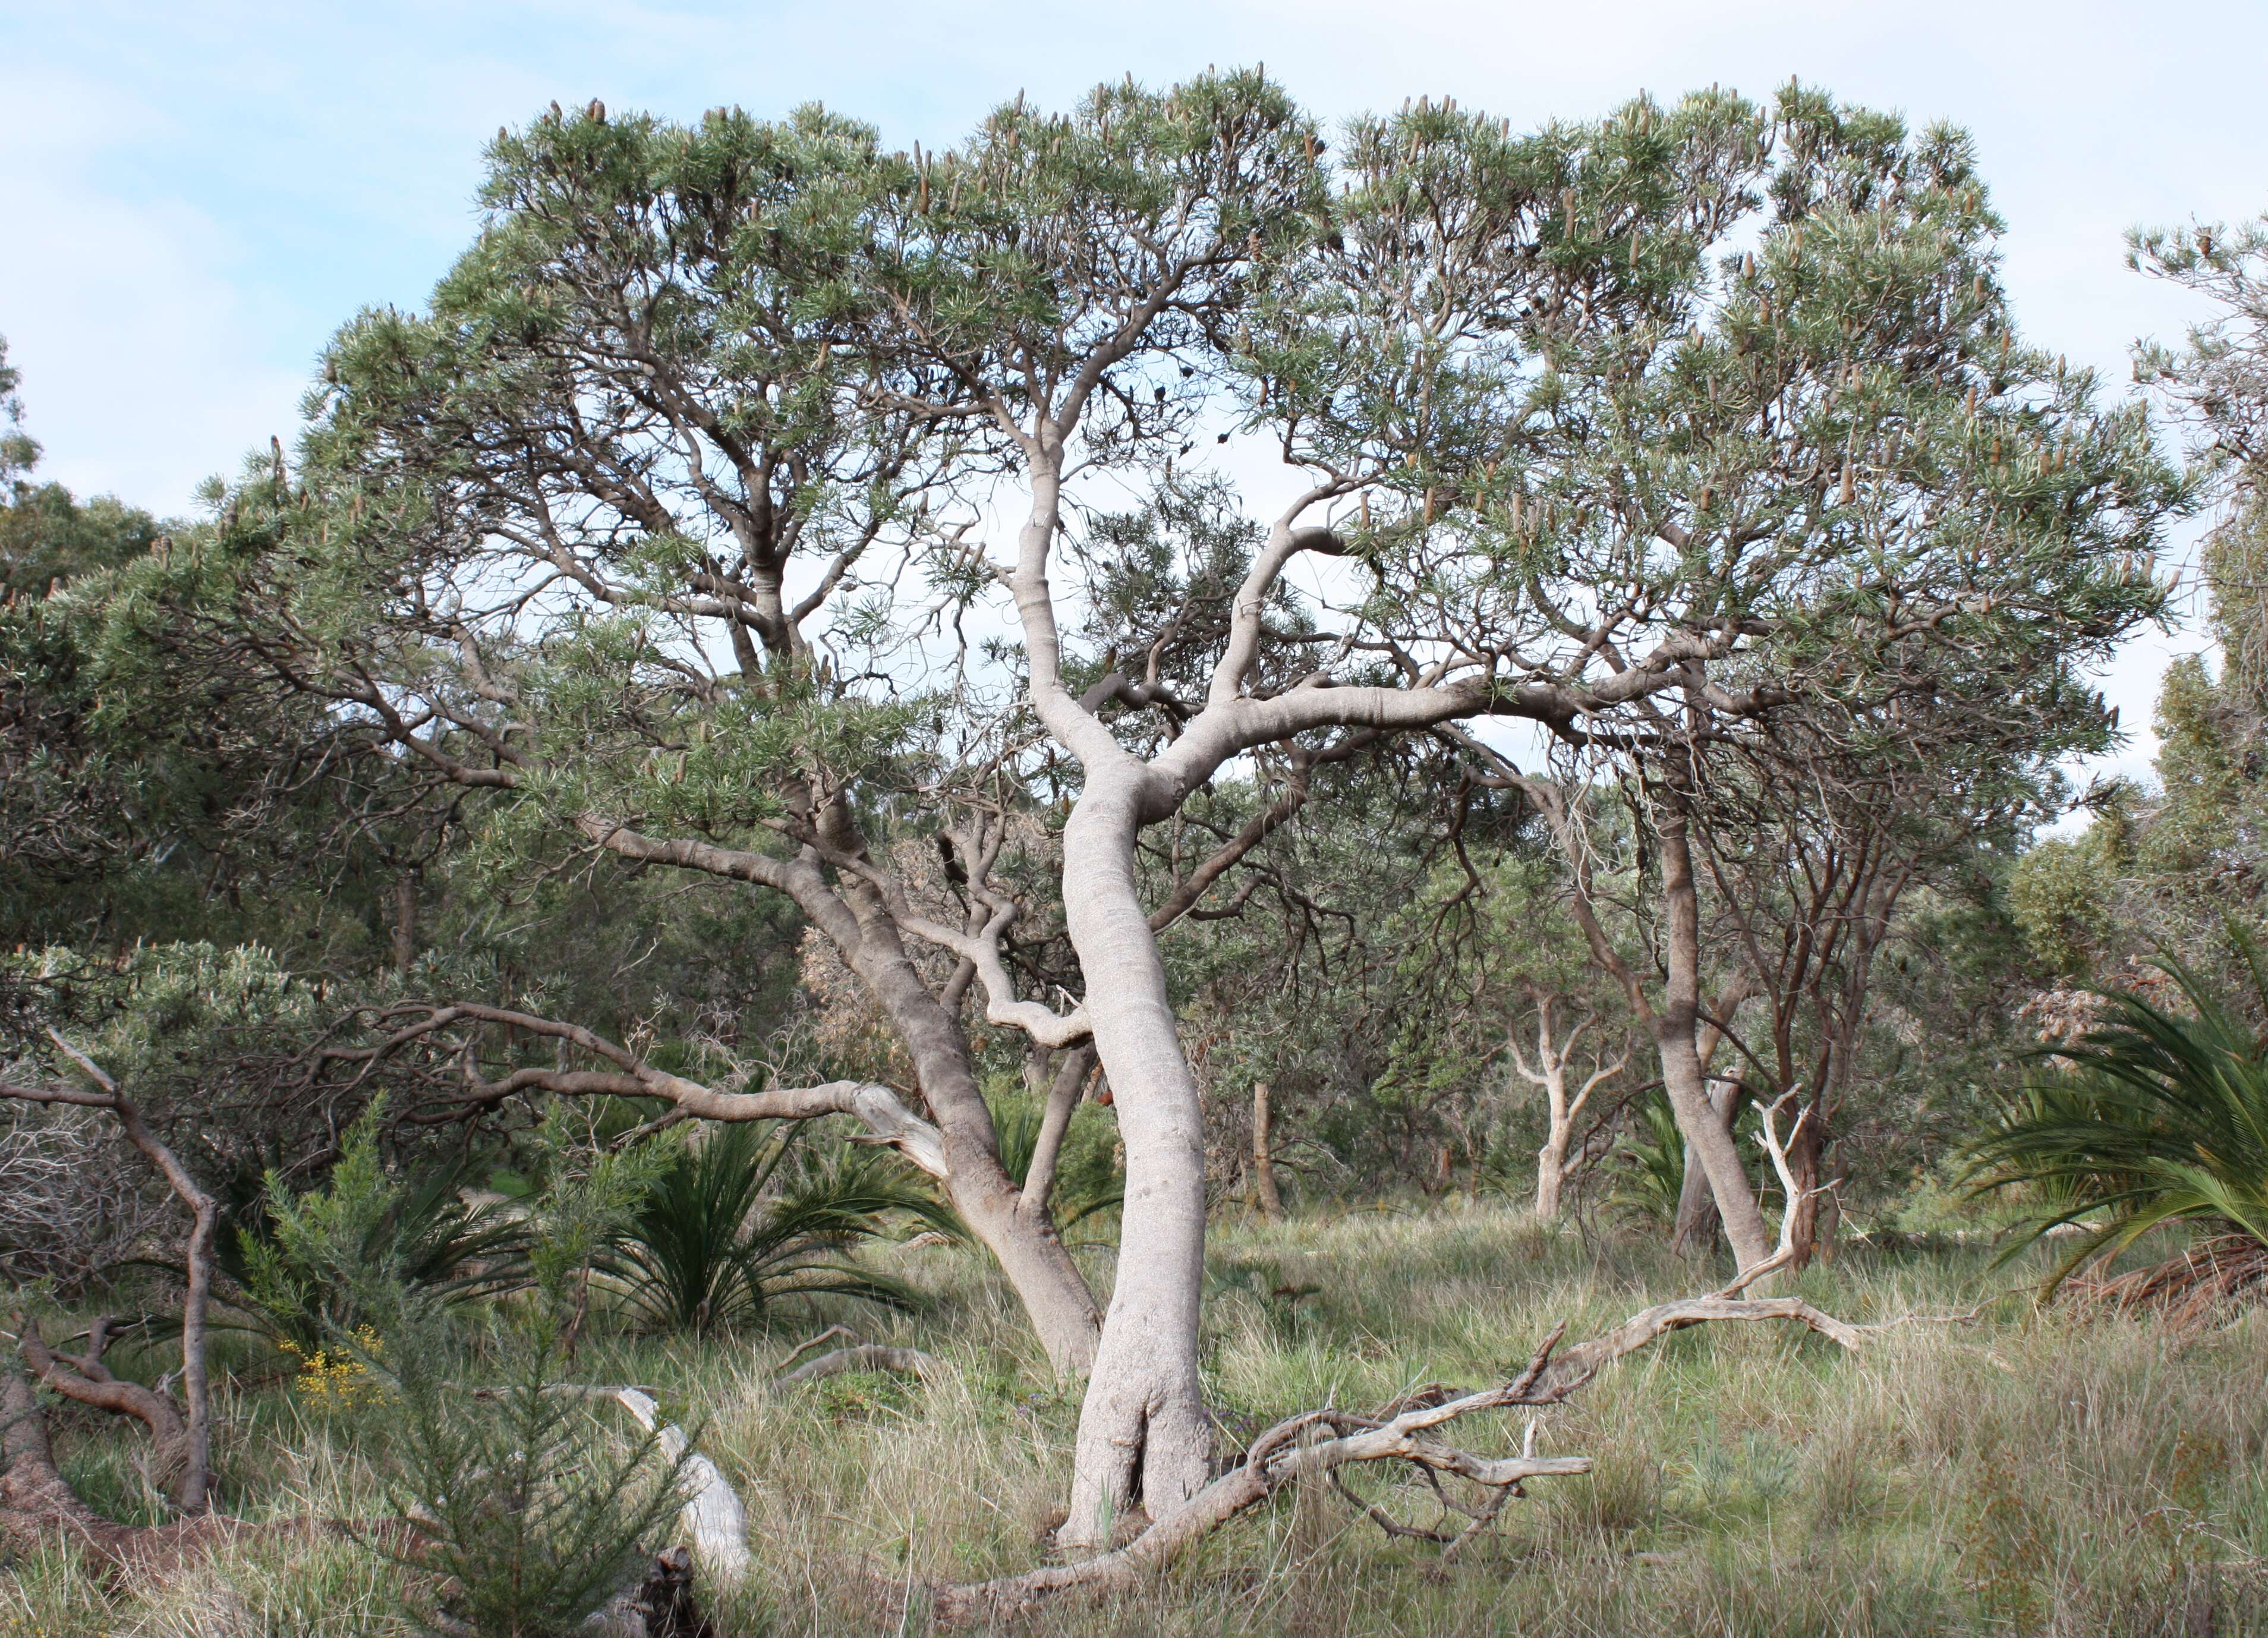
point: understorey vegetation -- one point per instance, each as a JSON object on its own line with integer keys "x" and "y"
{"x": 1187, "y": 869}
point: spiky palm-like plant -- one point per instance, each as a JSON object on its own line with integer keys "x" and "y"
{"x": 748, "y": 1216}
{"x": 1648, "y": 1166}
{"x": 2160, "y": 1117}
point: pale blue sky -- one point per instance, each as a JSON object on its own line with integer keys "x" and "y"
{"x": 192, "y": 195}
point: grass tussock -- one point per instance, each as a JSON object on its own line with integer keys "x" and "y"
{"x": 2072, "y": 1471}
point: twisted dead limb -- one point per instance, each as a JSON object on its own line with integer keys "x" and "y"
{"x": 85, "y": 1379}
{"x": 39, "y": 1507}
{"x": 1283, "y": 1454}
{"x": 192, "y": 1491}
{"x": 713, "y": 1516}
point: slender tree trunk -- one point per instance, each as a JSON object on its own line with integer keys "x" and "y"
{"x": 405, "y": 920}
{"x": 1675, "y": 1026}
{"x": 1805, "y": 1154}
{"x": 1695, "y": 1227}
{"x": 1070, "y": 1080}
{"x": 1143, "y": 1429}
{"x": 1550, "y": 1168}
{"x": 197, "y": 1392}
{"x": 1264, "y": 1196}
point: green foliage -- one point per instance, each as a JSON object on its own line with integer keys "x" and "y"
{"x": 742, "y": 1217}
{"x": 2062, "y": 897}
{"x": 1647, "y": 1169}
{"x": 1087, "y": 1178}
{"x": 528, "y": 1512}
{"x": 322, "y": 1264}
{"x": 2161, "y": 1117}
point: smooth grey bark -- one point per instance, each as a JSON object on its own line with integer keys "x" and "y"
{"x": 1032, "y": 1255}
{"x": 1695, "y": 1223}
{"x": 1677, "y": 1023}
{"x": 857, "y": 915}
{"x": 1063, "y": 1095}
{"x": 1143, "y": 1429}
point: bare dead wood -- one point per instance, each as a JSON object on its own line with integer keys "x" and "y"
{"x": 713, "y": 1516}
{"x": 193, "y": 1491}
{"x": 1287, "y": 1452}
{"x": 86, "y": 1380}
{"x": 867, "y": 1356}
{"x": 39, "y": 1507}
{"x": 715, "y": 1522}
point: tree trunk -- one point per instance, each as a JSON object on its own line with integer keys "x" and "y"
{"x": 1805, "y": 1152}
{"x": 196, "y": 1393}
{"x": 1676, "y": 1024}
{"x": 405, "y": 920}
{"x": 1265, "y": 1195}
{"x": 1053, "y": 1291}
{"x": 1550, "y": 1168}
{"x": 1143, "y": 1427}
{"x": 1697, "y": 1208}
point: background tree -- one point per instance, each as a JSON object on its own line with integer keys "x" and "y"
{"x": 1827, "y": 474}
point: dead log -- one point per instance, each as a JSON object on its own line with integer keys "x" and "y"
{"x": 714, "y": 1520}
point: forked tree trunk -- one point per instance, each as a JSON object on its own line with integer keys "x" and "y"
{"x": 1695, "y": 1225}
{"x": 1561, "y": 1108}
{"x": 1031, "y": 1254}
{"x": 1265, "y": 1200}
{"x": 1143, "y": 1430}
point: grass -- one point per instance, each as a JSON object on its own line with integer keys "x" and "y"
{"x": 2064, "y": 1471}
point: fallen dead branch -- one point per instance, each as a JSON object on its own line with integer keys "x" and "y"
{"x": 715, "y": 1523}
{"x": 856, "y": 1354}
{"x": 1288, "y": 1451}
{"x": 867, "y": 1356}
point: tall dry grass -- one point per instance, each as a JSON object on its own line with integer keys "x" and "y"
{"x": 2060, "y": 1472}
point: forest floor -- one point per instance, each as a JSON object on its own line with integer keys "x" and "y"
{"x": 2035, "y": 1472}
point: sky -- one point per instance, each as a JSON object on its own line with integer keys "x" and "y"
{"x": 193, "y": 195}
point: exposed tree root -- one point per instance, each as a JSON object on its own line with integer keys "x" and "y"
{"x": 1287, "y": 1452}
